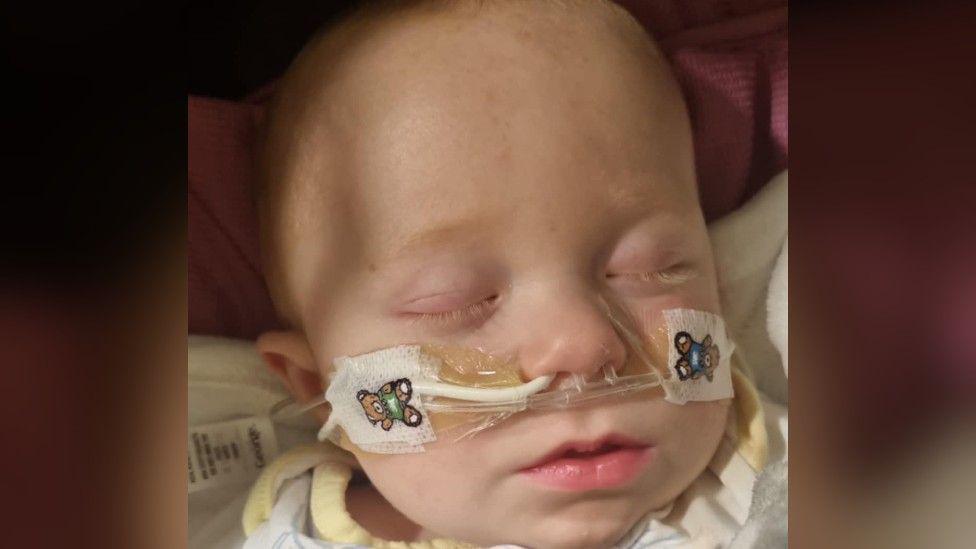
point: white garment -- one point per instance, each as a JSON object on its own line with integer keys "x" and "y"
{"x": 287, "y": 527}
{"x": 746, "y": 244}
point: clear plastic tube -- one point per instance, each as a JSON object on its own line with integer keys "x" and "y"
{"x": 396, "y": 399}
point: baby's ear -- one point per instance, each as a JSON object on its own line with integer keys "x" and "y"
{"x": 289, "y": 357}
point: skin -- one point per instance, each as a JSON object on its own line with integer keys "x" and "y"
{"x": 481, "y": 178}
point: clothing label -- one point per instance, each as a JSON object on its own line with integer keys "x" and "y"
{"x": 229, "y": 452}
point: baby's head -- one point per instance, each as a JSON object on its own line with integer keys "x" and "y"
{"x": 482, "y": 174}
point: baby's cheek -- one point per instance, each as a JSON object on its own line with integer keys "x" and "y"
{"x": 698, "y": 428}
{"x": 435, "y": 488}
{"x": 400, "y": 473}
{"x": 686, "y": 438}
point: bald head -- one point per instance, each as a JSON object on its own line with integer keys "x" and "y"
{"x": 418, "y": 105}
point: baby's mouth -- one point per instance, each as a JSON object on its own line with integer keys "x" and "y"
{"x": 589, "y": 449}
{"x": 585, "y": 465}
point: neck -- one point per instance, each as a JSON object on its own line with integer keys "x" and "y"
{"x": 373, "y": 512}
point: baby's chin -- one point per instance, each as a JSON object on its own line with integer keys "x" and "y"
{"x": 586, "y": 522}
{"x": 597, "y": 530}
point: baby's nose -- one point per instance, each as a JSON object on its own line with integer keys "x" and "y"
{"x": 575, "y": 337}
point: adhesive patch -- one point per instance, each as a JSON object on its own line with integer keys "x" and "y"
{"x": 699, "y": 357}
{"x": 395, "y": 400}
{"x": 372, "y": 400}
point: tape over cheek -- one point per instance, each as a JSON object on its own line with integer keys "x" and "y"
{"x": 373, "y": 401}
{"x": 383, "y": 401}
{"x": 699, "y": 357}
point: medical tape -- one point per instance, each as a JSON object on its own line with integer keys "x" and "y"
{"x": 383, "y": 400}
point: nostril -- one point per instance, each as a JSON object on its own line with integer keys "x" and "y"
{"x": 565, "y": 381}
{"x": 577, "y": 381}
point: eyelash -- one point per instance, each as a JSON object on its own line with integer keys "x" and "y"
{"x": 481, "y": 310}
{"x": 671, "y": 276}
{"x": 476, "y": 311}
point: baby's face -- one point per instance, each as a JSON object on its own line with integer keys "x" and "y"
{"x": 483, "y": 182}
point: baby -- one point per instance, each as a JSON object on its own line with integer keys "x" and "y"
{"x": 483, "y": 174}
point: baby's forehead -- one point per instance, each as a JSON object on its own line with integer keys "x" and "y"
{"x": 468, "y": 101}
{"x": 456, "y": 72}
{"x": 418, "y": 123}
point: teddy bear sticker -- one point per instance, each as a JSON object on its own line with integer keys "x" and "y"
{"x": 389, "y": 404}
{"x": 697, "y": 359}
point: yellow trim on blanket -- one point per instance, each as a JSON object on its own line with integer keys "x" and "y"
{"x": 331, "y": 470}
{"x": 263, "y": 494}
{"x": 752, "y": 441}
{"x": 332, "y": 521}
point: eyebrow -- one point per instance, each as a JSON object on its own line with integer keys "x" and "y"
{"x": 462, "y": 229}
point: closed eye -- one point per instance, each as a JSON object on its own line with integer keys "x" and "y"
{"x": 672, "y": 276}
{"x": 474, "y": 312}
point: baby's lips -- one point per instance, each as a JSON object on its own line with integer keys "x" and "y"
{"x": 594, "y": 445}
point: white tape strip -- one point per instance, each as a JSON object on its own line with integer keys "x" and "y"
{"x": 699, "y": 357}
{"x": 375, "y": 406}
